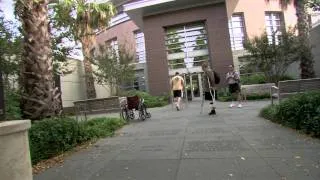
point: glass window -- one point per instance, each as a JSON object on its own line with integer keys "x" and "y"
{"x": 112, "y": 47}
{"x": 274, "y": 25}
{"x": 186, "y": 45}
{"x": 237, "y": 31}
{"x": 140, "y": 47}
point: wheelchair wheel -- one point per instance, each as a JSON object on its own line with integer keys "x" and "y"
{"x": 148, "y": 115}
{"x": 143, "y": 114}
{"x": 125, "y": 114}
{"x": 131, "y": 114}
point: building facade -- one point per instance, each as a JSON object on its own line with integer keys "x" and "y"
{"x": 73, "y": 87}
{"x": 169, "y": 36}
{"x": 248, "y": 19}
{"x": 123, "y": 33}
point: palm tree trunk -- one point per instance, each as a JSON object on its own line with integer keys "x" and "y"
{"x": 306, "y": 59}
{"x": 86, "y": 42}
{"x": 40, "y": 98}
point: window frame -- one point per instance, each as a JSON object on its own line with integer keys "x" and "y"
{"x": 188, "y": 47}
{"x": 243, "y": 29}
{"x": 282, "y": 25}
{"x": 143, "y": 52}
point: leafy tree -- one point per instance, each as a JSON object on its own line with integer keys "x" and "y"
{"x": 83, "y": 19}
{"x": 273, "y": 58}
{"x": 10, "y": 49}
{"x": 306, "y": 59}
{"x": 314, "y": 4}
{"x": 114, "y": 68}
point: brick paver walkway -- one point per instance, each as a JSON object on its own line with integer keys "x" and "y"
{"x": 185, "y": 145}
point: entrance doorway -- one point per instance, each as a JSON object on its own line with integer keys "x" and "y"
{"x": 193, "y": 85}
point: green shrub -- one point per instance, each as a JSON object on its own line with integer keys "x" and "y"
{"x": 99, "y": 128}
{"x": 258, "y": 96}
{"x": 301, "y": 112}
{"x": 298, "y": 109}
{"x": 269, "y": 112}
{"x": 312, "y": 125}
{"x": 151, "y": 101}
{"x": 286, "y": 77}
{"x": 227, "y": 97}
{"x": 51, "y": 137}
{"x": 260, "y": 79}
{"x": 253, "y": 79}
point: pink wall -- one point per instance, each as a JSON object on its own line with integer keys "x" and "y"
{"x": 254, "y": 13}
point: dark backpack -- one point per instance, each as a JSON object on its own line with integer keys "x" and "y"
{"x": 216, "y": 78}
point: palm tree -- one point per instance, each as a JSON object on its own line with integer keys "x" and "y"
{"x": 306, "y": 59}
{"x": 84, "y": 19}
{"x": 40, "y": 98}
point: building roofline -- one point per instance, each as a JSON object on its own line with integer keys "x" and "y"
{"x": 143, "y": 3}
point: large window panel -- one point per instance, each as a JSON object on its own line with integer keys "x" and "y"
{"x": 185, "y": 44}
{"x": 237, "y": 31}
{"x": 140, "y": 47}
{"x": 274, "y": 25}
{"x": 112, "y": 47}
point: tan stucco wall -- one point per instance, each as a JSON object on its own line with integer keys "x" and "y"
{"x": 73, "y": 85}
{"x": 254, "y": 13}
{"x": 254, "y": 17}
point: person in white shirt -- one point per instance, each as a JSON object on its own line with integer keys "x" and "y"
{"x": 177, "y": 84}
{"x": 233, "y": 80}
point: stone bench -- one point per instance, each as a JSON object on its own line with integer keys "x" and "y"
{"x": 292, "y": 87}
{"x": 95, "y": 106}
{"x": 259, "y": 89}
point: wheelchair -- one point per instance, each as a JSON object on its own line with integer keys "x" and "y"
{"x": 131, "y": 104}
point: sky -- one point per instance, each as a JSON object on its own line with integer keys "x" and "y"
{"x": 7, "y": 6}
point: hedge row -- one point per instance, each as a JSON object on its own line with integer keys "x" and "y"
{"x": 225, "y": 98}
{"x": 259, "y": 79}
{"x": 51, "y": 137}
{"x": 301, "y": 112}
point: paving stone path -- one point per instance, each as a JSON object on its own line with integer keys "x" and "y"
{"x": 186, "y": 145}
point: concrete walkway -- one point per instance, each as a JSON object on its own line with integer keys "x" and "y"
{"x": 235, "y": 144}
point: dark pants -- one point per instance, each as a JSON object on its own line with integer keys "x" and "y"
{"x": 234, "y": 88}
{"x": 177, "y": 93}
{"x": 208, "y": 97}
